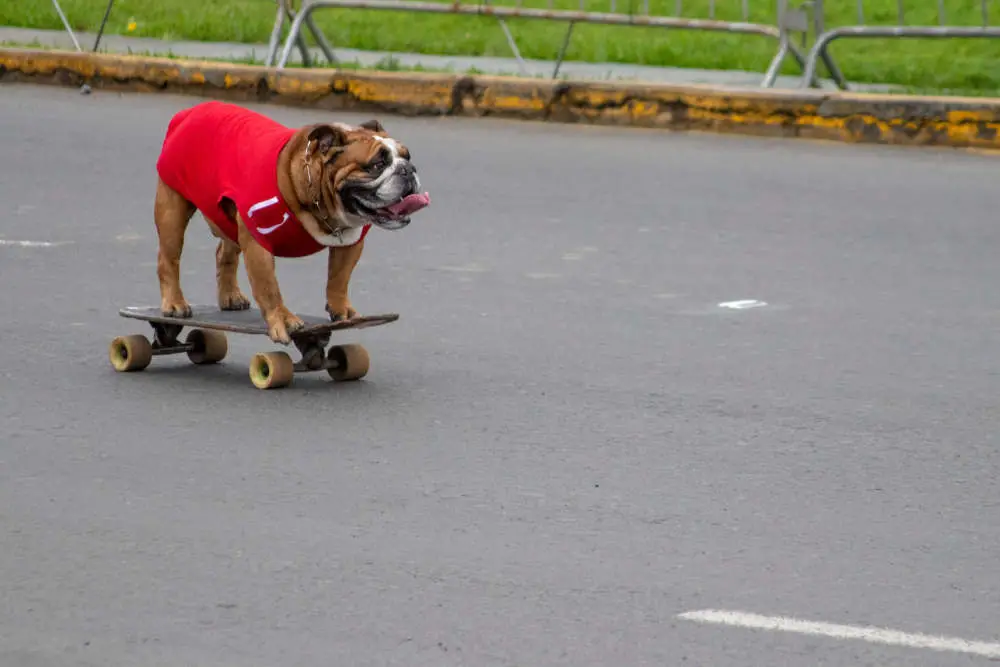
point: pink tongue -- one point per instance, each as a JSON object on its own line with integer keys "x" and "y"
{"x": 410, "y": 204}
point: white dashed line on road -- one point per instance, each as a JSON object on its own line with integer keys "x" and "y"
{"x": 743, "y": 304}
{"x": 32, "y": 244}
{"x": 874, "y": 635}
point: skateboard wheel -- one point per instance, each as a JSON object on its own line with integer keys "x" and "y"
{"x": 130, "y": 353}
{"x": 352, "y": 362}
{"x": 271, "y": 370}
{"x": 209, "y": 347}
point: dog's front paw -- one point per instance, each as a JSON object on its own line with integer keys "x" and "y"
{"x": 175, "y": 307}
{"x": 235, "y": 300}
{"x": 281, "y": 324}
{"x": 341, "y": 311}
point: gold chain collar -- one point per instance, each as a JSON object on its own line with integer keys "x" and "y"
{"x": 335, "y": 231}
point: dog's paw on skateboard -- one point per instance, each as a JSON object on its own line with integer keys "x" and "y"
{"x": 175, "y": 308}
{"x": 281, "y": 324}
{"x": 341, "y": 312}
{"x": 234, "y": 301}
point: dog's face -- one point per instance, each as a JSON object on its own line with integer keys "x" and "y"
{"x": 367, "y": 176}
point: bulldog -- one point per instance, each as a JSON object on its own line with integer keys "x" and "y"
{"x": 266, "y": 191}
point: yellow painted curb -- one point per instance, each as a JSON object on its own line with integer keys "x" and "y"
{"x": 849, "y": 117}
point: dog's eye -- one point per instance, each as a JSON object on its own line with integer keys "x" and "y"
{"x": 380, "y": 161}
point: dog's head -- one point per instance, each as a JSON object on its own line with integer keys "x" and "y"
{"x": 364, "y": 175}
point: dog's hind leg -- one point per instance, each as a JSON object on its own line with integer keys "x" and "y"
{"x": 171, "y": 212}
{"x": 227, "y": 263}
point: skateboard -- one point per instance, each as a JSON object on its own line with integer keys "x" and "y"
{"x": 206, "y": 343}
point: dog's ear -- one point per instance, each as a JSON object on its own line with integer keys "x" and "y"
{"x": 326, "y": 141}
{"x": 372, "y": 125}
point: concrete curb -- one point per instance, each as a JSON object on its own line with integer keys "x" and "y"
{"x": 857, "y": 118}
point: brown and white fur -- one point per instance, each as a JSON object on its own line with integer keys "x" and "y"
{"x": 335, "y": 179}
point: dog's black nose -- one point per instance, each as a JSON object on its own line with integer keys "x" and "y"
{"x": 409, "y": 172}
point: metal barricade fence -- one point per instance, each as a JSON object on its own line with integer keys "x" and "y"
{"x": 613, "y": 17}
{"x": 943, "y": 30}
{"x": 284, "y": 12}
{"x": 806, "y": 18}
{"x": 69, "y": 28}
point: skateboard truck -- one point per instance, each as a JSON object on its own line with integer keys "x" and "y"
{"x": 165, "y": 338}
{"x": 311, "y": 350}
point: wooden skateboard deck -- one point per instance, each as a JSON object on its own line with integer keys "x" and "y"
{"x": 251, "y": 321}
{"x": 206, "y": 343}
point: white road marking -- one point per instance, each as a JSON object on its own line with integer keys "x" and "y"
{"x": 541, "y": 276}
{"x": 743, "y": 304}
{"x": 578, "y": 253}
{"x": 863, "y": 633}
{"x": 32, "y": 244}
{"x": 471, "y": 267}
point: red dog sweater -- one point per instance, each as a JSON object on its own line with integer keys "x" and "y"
{"x": 214, "y": 150}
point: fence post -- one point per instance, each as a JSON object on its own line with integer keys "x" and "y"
{"x": 790, "y": 21}
{"x": 285, "y": 11}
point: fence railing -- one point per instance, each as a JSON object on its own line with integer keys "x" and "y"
{"x": 614, "y": 17}
{"x": 800, "y": 21}
{"x": 943, "y": 30}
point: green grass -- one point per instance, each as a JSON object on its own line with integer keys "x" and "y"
{"x": 955, "y": 66}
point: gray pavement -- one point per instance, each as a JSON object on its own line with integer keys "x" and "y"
{"x": 563, "y": 444}
{"x": 491, "y": 65}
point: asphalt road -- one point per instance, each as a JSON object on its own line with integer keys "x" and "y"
{"x": 563, "y": 444}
